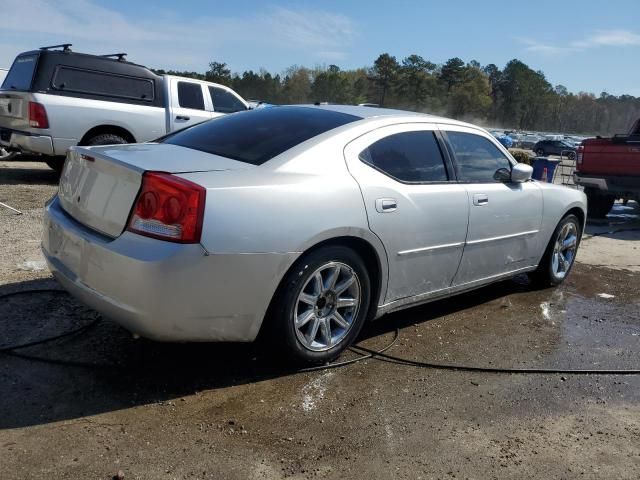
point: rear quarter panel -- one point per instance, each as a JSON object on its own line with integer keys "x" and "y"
{"x": 281, "y": 210}
{"x": 557, "y": 202}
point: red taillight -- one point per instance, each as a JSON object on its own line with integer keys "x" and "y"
{"x": 38, "y": 115}
{"x": 579, "y": 154}
{"x": 169, "y": 208}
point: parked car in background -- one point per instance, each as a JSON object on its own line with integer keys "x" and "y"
{"x": 53, "y": 99}
{"x": 527, "y": 141}
{"x": 300, "y": 221}
{"x": 609, "y": 168}
{"x": 555, "y": 147}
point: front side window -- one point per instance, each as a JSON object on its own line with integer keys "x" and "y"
{"x": 190, "y": 95}
{"x": 477, "y": 158}
{"x": 224, "y": 101}
{"x": 408, "y": 157}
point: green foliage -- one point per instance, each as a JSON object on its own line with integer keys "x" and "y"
{"x": 522, "y": 156}
{"x": 516, "y": 97}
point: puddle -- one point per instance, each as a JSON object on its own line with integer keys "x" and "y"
{"x": 33, "y": 266}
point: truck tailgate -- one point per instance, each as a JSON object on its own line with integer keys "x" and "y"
{"x": 14, "y": 110}
{"x": 610, "y": 157}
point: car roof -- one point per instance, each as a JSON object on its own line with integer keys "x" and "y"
{"x": 364, "y": 112}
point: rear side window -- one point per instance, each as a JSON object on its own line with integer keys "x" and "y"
{"x": 408, "y": 157}
{"x": 190, "y": 95}
{"x": 477, "y": 158}
{"x": 224, "y": 101}
{"x": 257, "y": 136}
{"x": 21, "y": 74}
{"x": 94, "y": 82}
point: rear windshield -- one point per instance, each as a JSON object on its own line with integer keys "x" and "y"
{"x": 259, "y": 135}
{"x": 21, "y": 73}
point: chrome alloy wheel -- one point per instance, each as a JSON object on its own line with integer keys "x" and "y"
{"x": 564, "y": 251}
{"x": 327, "y": 306}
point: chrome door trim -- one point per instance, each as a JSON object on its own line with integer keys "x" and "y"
{"x": 502, "y": 237}
{"x": 428, "y": 249}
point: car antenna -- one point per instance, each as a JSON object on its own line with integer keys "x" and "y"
{"x": 66, "y": 47}
{"x": 119, "y": 56}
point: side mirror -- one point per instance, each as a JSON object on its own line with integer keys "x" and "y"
{"x": 521, "y": 172}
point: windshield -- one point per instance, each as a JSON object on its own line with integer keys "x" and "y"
{"x": 21, "y": 73}
{"x": 257, "y": 136}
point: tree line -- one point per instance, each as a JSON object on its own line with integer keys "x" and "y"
{"x": 516, "y": 97}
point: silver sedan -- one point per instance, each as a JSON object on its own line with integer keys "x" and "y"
{"x": 302, "y": 222}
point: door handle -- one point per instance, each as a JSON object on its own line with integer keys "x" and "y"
{"x": 182, "y": 117}
{"x": 480, "y": 199}
{"x": 385, "y": 205}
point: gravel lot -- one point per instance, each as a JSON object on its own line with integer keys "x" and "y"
{"x": 91, "y": 405}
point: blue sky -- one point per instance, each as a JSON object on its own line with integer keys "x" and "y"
{"x": 582, "y": 45}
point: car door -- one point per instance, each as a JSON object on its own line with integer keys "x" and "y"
{"x": 224, "y": 101}
{"x": 413, "y": 205}
{"x": 190, "y": 104}
{"x": 504, "y": 217}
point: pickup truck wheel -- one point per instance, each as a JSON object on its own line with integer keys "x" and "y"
{"x": 598, "y": 204}
{"x": 106, "y": 139}
{"x": 560, "y": 254}
{"x": 55, "y": 163}
{"x": 540, "y": 152}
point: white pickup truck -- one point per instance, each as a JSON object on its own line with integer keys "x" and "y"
{"x": 53, "y": 98}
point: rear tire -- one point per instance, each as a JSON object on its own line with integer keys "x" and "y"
{"x": 571, "y": 156}
{"x": 55, "y": 163}
{"x": 599, "y": 204}
{"x": 106, "y": 139}
{"x": 540, "y": 153}
{"x": 307, "y": 320}
{"x": 559, "y": 257}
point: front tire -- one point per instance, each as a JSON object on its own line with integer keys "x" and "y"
{"x": 560, "y": 255}
{"x": 540, "y": 153}
{"x": 321, "y": 305}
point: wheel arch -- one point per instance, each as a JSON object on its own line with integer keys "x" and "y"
{"x": 104, "y": 129}
{"x": 370, "y": 250}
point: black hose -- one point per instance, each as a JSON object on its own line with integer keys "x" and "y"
{"x": 469, "y": 368}
{"x": 69, "y": 333}
{"x": 368, "y": 353}
{"x": 361, "y": 357}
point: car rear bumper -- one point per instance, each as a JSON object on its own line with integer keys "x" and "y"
{"x": 162, "y": 290}
{"x": 26, "y": 142}
{"x": 611, "y": 184}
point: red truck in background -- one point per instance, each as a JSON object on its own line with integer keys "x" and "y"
{"x": 609, "y": 168}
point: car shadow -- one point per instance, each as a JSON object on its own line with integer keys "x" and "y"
{"x": 104, "y": 368}
{"x": 622, "y": 223}
{"x": 27, "y": 172}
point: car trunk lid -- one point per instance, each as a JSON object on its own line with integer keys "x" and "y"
{"x": 99, "y": 185}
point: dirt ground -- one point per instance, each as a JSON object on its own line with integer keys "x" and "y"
{"x": 87, "y": 406}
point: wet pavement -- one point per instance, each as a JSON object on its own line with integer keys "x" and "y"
{"x": 89, "y": 405}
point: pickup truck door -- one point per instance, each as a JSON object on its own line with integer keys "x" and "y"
{"x": 189, "y": 104}
{"x": 504, "y": 218}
